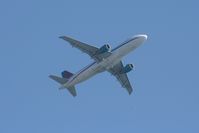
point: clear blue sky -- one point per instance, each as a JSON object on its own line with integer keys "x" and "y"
{"x": 165, "y": 79}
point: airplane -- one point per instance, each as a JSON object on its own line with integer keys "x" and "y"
{"x": 105, "y": 59}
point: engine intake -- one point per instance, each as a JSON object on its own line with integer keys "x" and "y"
{"x": 105, "y": 48}
{"x": 127, "y": 68}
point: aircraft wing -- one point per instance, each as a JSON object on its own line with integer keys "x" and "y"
{"x": 121, "y": 77}
{"x": 88, "y": 49}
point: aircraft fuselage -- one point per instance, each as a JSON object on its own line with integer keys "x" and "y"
{"x": 96, "y": 67}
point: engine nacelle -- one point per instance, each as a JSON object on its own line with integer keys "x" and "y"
{"x": 105, "y": 48}
{"x": 127, "y": 68}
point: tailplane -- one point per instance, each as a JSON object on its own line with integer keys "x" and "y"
{"x": 62, "y": 81}
{"x": 59, "y": 79}
{"x": 72, "y": 90}
{"x": 65, "y": 77}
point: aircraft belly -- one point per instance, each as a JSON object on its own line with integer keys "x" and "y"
{"x": 109, "y": 62}
{"x": 106, "y": 63}
{"x": 117, "y": 55}
{"x": 88, "y": 73}
{"x": 127, "y": 48}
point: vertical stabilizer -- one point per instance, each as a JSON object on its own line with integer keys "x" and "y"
{"x": 66, "y": 74}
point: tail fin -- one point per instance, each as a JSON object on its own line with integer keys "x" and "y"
{"x": 58, "y": 79}
{"x": 67, "y": 74}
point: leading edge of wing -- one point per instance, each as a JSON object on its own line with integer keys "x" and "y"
{"x": 86, "y": 48}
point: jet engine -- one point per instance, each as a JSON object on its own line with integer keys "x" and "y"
{"x": 105, "y": 48}
{"x": 127, "y": 68}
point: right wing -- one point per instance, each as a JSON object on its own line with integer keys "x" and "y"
{"x": 121, "y": 77}
{"x": 88, "y": 49}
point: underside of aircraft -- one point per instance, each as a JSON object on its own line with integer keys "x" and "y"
{"x": 105, "y": 59}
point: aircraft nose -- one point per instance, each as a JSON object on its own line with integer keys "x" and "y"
{"x": 143, "y": 36}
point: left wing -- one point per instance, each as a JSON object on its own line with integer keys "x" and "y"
{"x": 88, "y": 49}
{"x": 121, "y": 77}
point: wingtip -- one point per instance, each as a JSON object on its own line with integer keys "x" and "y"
{"x": 61, "y": 37}
{"x": 50, "y": 76}
{"x": 130, "y": 92}
{"x": 74, "y": 95}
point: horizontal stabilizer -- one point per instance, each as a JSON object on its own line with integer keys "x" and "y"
{"x": 58, "y": 79}
{"x": 72, "y": 91}
{"x": 63, "y": 81}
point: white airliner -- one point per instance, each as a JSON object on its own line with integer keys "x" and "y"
{"x": 105, "y": 59}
